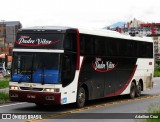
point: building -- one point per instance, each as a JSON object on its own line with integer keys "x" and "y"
{"x": 2, "y": 36}
{"x": 141, "y": 29}
{"x": 8, "y": 30}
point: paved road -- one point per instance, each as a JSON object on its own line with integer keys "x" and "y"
{"x": 119, "y": 104}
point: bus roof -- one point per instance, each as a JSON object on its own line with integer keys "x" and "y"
{"x": 47, "y": 28}
{"x": 92, "y": 31}
{"x": 113, "y": 34}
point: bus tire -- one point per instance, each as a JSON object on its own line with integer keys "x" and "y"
{"x": 138, "y": 90}
{"x": 81, "y": 97}
{"x": 132, "y": 90}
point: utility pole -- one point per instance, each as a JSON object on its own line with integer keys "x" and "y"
{"x": 4, "y": 47}
{"x": 4, "y": 43}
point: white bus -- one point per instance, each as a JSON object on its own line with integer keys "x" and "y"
{"x": 62, "y": 65}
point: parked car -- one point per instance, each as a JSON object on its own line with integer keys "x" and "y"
{"x": 3, "y": 72}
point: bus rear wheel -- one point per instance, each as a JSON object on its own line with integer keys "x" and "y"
{"x": 138, "y": 90}
{"x": 133, "y": 90}
{"x": 81, "y": 97}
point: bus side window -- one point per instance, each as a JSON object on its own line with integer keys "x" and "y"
{"x": 70, "y": 42}
{"x": 67, "y": 64}
{"x": 68, "y": 69}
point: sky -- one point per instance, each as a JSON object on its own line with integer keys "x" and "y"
{"x": 78, "y": 13}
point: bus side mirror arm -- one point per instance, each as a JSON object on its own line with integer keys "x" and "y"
{"x": 6, "y": 61}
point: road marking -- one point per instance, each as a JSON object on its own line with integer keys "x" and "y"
{"x": 61, "y": 114}
{"x": 12, "y": 104}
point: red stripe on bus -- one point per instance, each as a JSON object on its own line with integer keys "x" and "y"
{"x": 125, "y": 86}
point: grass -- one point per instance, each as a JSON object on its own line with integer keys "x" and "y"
{"x": 4, "y": 97}
{"x": 157, "y": 72}
{"x": 154, "y": 108}
{"x": 4, "y": 84}
{"x": 152, "y": 120}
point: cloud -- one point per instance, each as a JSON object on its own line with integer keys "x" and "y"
{"x": 93, "y": 13}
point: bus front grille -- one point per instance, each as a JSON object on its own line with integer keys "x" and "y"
{"x": 31, "y": 88}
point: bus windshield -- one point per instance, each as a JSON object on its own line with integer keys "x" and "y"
{"x": 36, "y": 68}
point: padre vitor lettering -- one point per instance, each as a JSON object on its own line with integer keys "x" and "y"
{"x": 43, "y": 41}
{"x": 26, "y": 41}
{"x": 38, "y": 41}
{"x": 101, "y": 65}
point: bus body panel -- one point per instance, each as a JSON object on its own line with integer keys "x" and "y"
{"x": 144, "y": 72}
{"x": 34, "y": 92}
{"x": 69, "y": 93}
{"x": 103, "y": 63}
{"x": 108, "y": 80}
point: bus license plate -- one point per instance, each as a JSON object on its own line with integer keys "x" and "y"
{"x": 31, "y": 96}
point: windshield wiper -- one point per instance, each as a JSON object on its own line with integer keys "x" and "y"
{"x": 27, "y": 76}
{"x": 32, "y": 69}
{"x": 42, "y": 74}
{"x": 20, "y": 80}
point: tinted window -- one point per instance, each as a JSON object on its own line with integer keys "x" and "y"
{"x": 87, "y": 45}
{"x": 150, "y": 50}
{"x": 68, "y": 68}
{"x": 112, "y": 47}
{"x": 70, "y": 42}
{"x": 100, "y": 46}
{"x": 106, "y": 46}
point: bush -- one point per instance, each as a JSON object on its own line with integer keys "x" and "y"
{"x": 4, "y": 84}
{"x": 157, "y": 72}
{"x": 158, "y": 62}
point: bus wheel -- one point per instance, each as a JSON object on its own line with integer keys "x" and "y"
{"x": 81, "y": 97}
{"x": 138, "y": 90}
{"x": 132, "y": 90}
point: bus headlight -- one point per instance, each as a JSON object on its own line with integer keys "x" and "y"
{"x": 49, "y": 90}
{"x": 55, "y": 90}
{"x": 13, "y": 88}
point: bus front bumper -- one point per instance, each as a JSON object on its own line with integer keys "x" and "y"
{"x": 35, "y": 97}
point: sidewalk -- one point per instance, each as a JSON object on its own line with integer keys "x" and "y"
{"x": 4, "y": 79}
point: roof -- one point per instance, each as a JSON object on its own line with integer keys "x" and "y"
{"x": 11, "y": 23}
{"x": 149, "y": 24}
